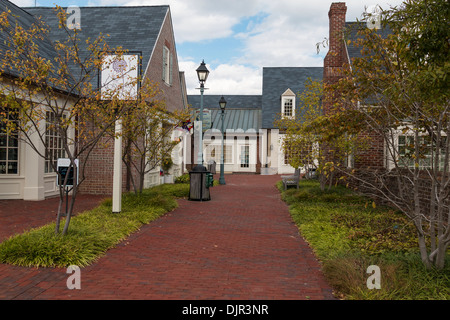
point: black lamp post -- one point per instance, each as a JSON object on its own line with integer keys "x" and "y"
{"x": 202, "y": 73}
{"x": 222, "y": 104}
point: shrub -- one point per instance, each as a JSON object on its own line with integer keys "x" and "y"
{"x": 183, "y": 178}
{"x": 348, "y": 234}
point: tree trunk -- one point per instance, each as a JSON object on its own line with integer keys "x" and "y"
{"x": 70, "y": 210}
{"x": 440, "y": 256}
{"x": 58, "y": 216}
{"x": 423, "y": 248}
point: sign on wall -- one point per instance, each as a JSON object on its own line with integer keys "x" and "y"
{"x": 119, "y": 77}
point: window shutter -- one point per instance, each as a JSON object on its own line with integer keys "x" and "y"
{"x": 164, "y": 64}
{"x": 170, "y": 68}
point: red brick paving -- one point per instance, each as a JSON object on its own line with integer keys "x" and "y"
{"x": 17, "y": 216}
{"x": 240, "y": 245}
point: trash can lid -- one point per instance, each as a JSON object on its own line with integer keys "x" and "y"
{"x": 199, "y": 168}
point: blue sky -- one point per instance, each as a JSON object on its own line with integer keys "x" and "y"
{"x": 237, "y": 38}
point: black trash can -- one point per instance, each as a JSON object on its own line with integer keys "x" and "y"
{"x": 200, "y": 182}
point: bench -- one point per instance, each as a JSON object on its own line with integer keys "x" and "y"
{"x": 291, "y": 180}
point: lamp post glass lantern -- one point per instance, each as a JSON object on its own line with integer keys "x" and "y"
{"x": 222, "y": 104}
{"x": 202, "y": 73}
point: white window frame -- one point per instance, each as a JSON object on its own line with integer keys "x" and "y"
{"x": 228, "y": 151}
{"x": 408, "y": 135}
{"x": 167, "y": 66}
{"x": 57, "y": 150}
{"x": 5, "y": 164}
{"x": 409, "y": 139}
{"x": 288, "y": 97}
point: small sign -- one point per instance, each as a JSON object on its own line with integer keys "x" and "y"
{"x": 63, "y": 166}
{"x": 207, "y": 124}
{"x": 119, "y": 77}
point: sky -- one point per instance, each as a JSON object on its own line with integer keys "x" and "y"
{"x": 237, "y": 38}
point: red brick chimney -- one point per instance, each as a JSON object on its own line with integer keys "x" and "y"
{"x": 336, "y": 56}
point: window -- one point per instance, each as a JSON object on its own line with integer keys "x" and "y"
{"x": 289, "y": 154}
{"x": 212, "y": 152}
{"x": 54, "y": 143}
{"x": 228, "y": 154}
{"x": 287, "y": 110}
{"x": 427, "y": 152}
{"x": 9, "y": 146}
{"x": 245, "y": 156}
{"x": 298, "y": 153}
{"x": 167, "y": 65}
{"x": 288, "y": 104}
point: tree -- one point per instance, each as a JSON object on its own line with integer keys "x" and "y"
{"x": 313, "y": 141}
{"x": 47, "y": 89}
{"x": 399, "y": 90}
{"x": 147, "y": 129}
{"x": 298, "y": 143}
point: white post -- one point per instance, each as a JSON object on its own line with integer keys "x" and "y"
{"x": 117, "y": 179}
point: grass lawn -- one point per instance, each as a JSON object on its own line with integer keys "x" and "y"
{"x": 91, "y": 233}
{"x": 349, "y": 233}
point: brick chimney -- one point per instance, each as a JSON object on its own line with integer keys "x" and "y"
{"x": 336, "y": 56}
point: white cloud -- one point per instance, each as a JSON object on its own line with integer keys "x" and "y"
{"x": 286, "y": 36}
{"x": 224, "y": 79}
{"x": 23, "y": 3}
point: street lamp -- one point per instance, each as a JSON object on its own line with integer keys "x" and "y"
{"x": 222, "y": 104}
{"x": 202, "y": 73}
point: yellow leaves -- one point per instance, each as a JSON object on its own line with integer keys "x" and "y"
{"x": 373, "y": 205}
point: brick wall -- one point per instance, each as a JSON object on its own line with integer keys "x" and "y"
{"x": 99, "y": 169}
{"x": 390, "y": 183}
{"x": 334, "y": 63}
{"x": 172, "y": 94}
{"x": 372, "y": 155}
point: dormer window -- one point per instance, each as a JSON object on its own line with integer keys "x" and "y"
{"x": 288, "y": 104}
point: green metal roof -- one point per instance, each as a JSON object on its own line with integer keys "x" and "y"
{"x": 236, "y": 119}
{"x": 242, "y": 111}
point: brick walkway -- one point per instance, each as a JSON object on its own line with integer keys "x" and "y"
{"x": 240, "y": 245}
{"x": 17, "y": 216}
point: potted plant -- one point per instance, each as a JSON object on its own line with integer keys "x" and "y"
{"x": 166, "y": 164}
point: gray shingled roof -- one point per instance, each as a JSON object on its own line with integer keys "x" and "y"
{"x": 351, "y": 33}
{"x": 276, "y": 81}
{"x": 24, "y": 19}
{"x": 233, "y": 101}
{"x": 242, "y": 111}
{"x": 133, "y": 28}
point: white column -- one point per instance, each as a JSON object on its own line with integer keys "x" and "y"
{"x": 117, "y": 178}
{"x": 34, "y": 169}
